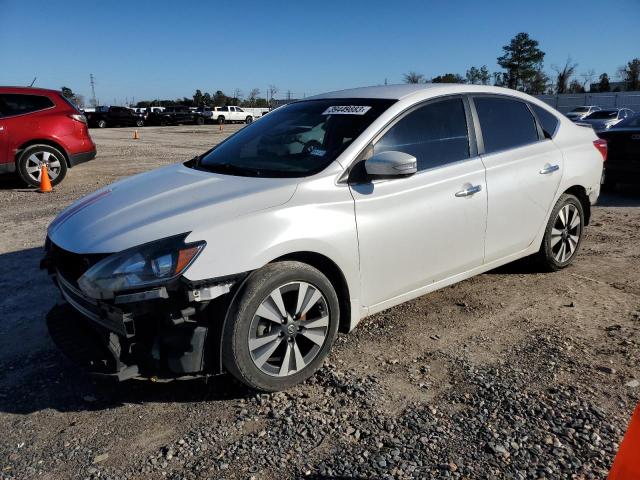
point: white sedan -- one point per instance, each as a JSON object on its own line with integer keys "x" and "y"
{"x": 251, "y": 257}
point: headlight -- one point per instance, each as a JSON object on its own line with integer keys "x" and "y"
{"x": 143, "y": 266}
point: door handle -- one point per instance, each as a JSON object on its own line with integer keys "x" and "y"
{"x": 469, "y": 191}
{"x": 549, "y": 169}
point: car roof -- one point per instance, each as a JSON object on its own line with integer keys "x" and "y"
{"x": 398, "y": 92}
{"x": 28, "y": 90}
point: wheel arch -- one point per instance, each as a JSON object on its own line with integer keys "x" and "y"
{"x": 580, "y": 193}
{"x": 335, "y": 275}
{"x": 41, "y": 141}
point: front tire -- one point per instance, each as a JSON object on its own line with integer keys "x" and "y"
{"x": 248, "y": 120}
{"x": 563, "y": 235}
{"x": 280, "y": 327}
{"x": 220, "y": 120}
{"x": 33, "y": 157}
{"x": 139, "y": 123}
{"x": 102, "y": 124}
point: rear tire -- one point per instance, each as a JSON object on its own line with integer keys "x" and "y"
{"x": 33, "y": 157}
{"x": 139, "y": 123}
{"x": 277, "y": 351}
{"x": 563, "y": 235}
{"x": 199, "y": 121}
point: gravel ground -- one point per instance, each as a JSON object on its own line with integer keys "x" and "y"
{"x": 511, "y": 374}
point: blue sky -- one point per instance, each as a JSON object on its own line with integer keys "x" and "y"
{"x": 165, "y": 49}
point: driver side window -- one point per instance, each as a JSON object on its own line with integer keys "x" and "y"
{"x": 436, "y": 134}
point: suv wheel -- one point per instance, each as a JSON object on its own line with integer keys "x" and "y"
{"x": 281, "y": 326}
{"x": 139, "y": 123}
{"x": 563, "y": 235}
{"x": 31, "y": 160}
{"x": 102, "y": 124}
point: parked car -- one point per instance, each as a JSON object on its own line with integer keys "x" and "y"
{"x": 231, "y": 114}
{"x": 175, "y": 116}
{"x": 111, "y": 116}
{"x": 41, "y": 127}
{"x": 623, "y": 159}
{"x": 605, "y": 119}
{"x": 251, "y": 261}
{"x": 579, "y": 113}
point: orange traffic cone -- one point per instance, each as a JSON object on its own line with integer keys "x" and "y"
{"x": 135, "y": 135}
{"x": 45, "y": 183}
{"x": 626, "y": 465}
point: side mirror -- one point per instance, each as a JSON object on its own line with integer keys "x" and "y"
{"x": 391, "y": 164}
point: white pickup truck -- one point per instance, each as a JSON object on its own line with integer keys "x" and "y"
{"x": 231, "y": 114}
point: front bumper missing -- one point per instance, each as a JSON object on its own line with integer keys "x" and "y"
{"x": 152, "y": 335}
{"x": 166, "y": 332}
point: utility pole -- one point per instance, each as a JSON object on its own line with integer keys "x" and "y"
{"x": 93, "y": 91}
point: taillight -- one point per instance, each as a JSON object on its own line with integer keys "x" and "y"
{"x": 601, "y": 146}
{"x": 78, "y": 118}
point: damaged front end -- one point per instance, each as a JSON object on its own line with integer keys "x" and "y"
{"x": 161, "y": 331}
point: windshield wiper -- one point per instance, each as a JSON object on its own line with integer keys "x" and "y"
{"x": 230, "y": 169}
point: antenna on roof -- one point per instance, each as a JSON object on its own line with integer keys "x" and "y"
{"x": 34, "y": 81}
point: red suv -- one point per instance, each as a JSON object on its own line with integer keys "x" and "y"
{"x": 39, "y": 126}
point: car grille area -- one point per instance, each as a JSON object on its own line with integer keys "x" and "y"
{"x": 68, "y": 264}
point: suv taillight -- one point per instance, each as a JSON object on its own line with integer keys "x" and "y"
{"x": 601, "y": 146}
{"x": 78, "y": 118}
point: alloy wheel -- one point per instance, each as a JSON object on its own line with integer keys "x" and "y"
{"x": 289, "y": 329}
{"x": 565, "y": 234}
{"x": 37, "y": 159}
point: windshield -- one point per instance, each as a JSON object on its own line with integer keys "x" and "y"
{"x": 296, "y": 140}
{"x": 603, "y": 114}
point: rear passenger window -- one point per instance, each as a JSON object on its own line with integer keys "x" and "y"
{"x": 18, "y": 104}
{"x": 505, "y": 123}
{"x": 435, "y": 134}
{"x": 548, "y": 121}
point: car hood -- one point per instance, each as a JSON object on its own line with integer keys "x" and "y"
{"x": 161, "y": 203}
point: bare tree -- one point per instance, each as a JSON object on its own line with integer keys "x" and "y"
{"x": 587, "y": 78}
{"x": 272, "y": 91}
{"x": 237, "y": 94}
{"x": 413, "y": 77}
{"x": 564, "y": 74}
{"x": 253, "y": 95}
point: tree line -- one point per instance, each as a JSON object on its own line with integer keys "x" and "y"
{"x": 522, "y": 63}
{"x": 218, "y": 99}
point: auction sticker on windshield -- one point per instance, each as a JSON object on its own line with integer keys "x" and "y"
{"x": 347, "y": 110}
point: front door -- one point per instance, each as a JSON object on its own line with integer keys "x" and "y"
{"x": 418, "y": 230}
{"x": 523, "y": 174}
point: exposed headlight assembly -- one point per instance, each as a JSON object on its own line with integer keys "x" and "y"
{"x": 146, "y": 265}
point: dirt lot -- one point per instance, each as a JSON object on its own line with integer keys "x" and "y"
{"x": 512, "y": 374}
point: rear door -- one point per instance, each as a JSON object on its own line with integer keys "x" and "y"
{"x": 4, "y": 146}
{"x": 523, "y": 169}
{"x": 17, "y": 122}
